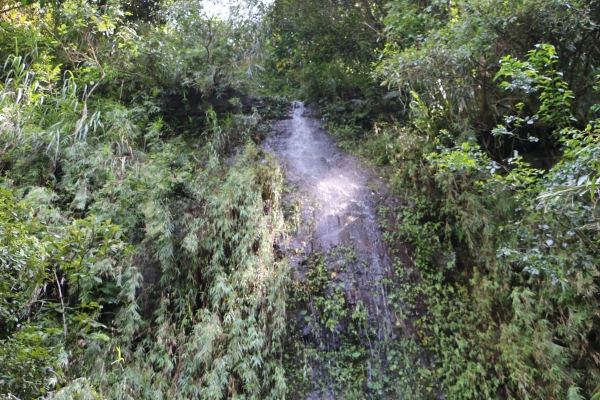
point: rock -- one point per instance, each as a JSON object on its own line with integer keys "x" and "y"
{"x": 355, "y": 102}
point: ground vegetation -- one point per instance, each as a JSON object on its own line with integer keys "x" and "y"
{"x": 138, "y": 219}
{"x": 141, "y": 224}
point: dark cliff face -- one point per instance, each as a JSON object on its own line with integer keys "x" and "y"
{"x": 195, "y": 104}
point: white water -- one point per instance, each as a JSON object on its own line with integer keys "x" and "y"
{"x": 338, "y": 208}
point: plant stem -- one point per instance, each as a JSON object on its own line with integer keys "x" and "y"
{"x": 62, "y": 303}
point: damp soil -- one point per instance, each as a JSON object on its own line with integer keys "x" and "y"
{"x": 336, "y": 200}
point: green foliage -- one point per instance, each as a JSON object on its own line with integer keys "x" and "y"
{"x": 325, "y": 50}
{"x": 503, "y": 280}
{"x": 137, "y": 258}
{"x": 554, "y": 97}
{"x": 451, "y": 62}
{"x": 26, "y": 357}
{"x": 409, "y": 22}
{"x": 335, "y": 348}
{"x": 55, "y": 283}
{"x": 505, "y": 254}
{"x": 138, "y": 226}
{"x": 504, "y": 283}
{"x": 220, "y": 298}
{"x": 194, "y": 51}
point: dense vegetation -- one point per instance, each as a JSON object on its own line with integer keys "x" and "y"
{"x": 139, "y": 220}
{"x": 488, "y": 128}
{"x": 134, "y": 263}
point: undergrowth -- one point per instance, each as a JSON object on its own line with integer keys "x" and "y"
{"x": 501, "y": 285}
{"x": 502, "y": 282}
{"x": 137, "y": 248}
{"x": 337, "y": 346}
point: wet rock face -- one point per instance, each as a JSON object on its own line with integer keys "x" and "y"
{"x": 338, "y": 198}
{"x": 338, "y": 254}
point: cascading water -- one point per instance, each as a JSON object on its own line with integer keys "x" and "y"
{"x": 340, "y": 266}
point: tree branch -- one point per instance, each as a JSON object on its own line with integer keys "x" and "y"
{"x": 10, "y": 9}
